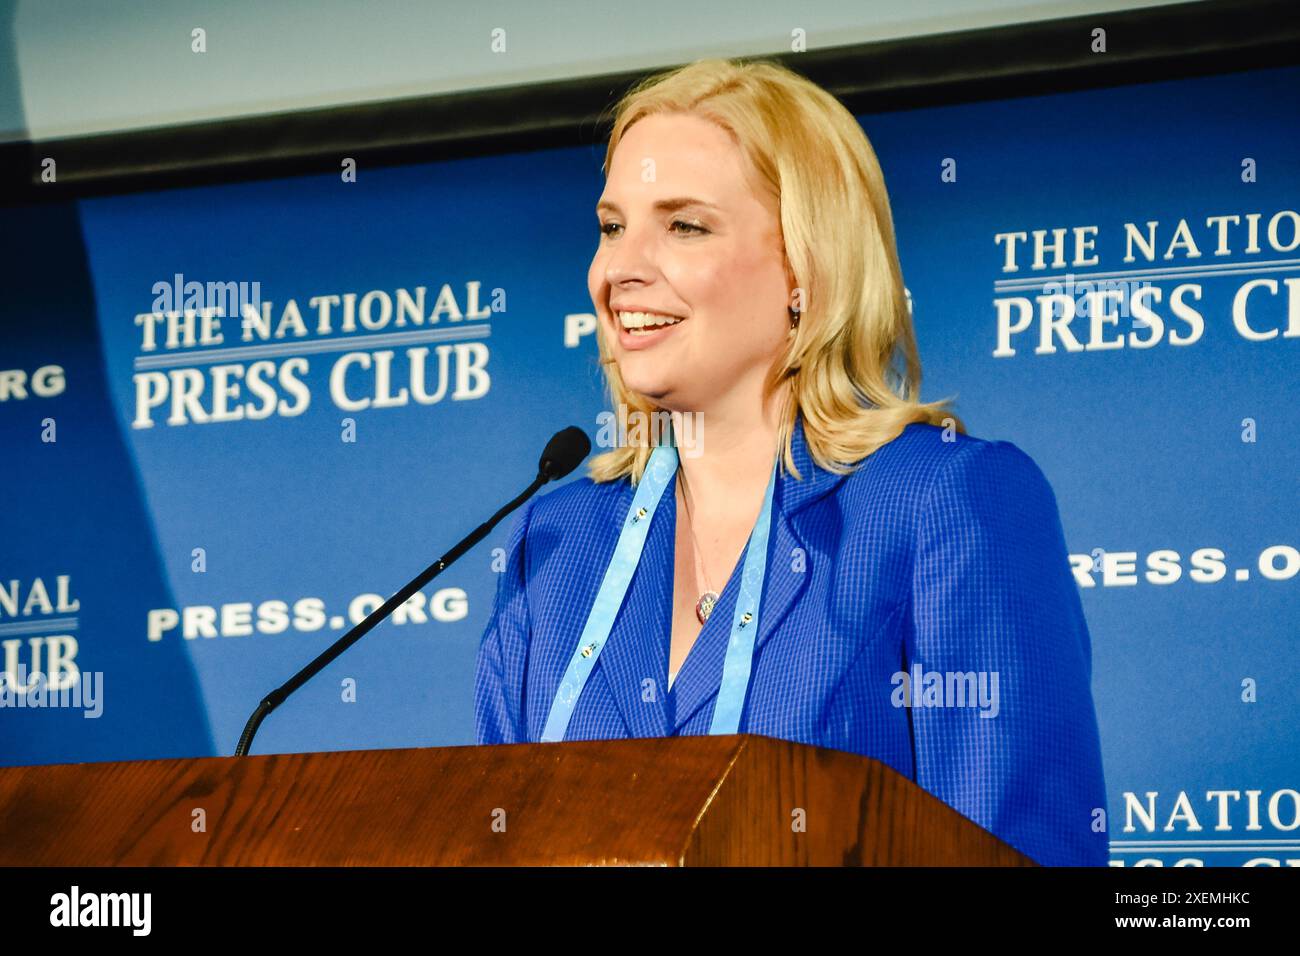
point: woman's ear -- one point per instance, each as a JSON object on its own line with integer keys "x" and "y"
{"x": 792, "y": 287}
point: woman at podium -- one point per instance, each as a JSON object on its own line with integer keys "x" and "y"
{"x": 785, "y": 540}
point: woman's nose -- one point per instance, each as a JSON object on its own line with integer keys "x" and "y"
{"x": 631, "y": 257}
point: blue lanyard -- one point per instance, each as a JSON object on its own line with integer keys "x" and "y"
{"x": 627, "y": 555}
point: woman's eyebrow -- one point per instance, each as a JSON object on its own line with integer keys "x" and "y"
{"x": 663, "y": 205}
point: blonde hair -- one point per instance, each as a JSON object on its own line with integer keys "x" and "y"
{"x": 854, "y": 324}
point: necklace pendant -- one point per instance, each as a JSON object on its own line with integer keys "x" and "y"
{"x": 704, "y": 606}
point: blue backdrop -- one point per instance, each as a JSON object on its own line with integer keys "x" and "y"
{"x": 186, "y": 522}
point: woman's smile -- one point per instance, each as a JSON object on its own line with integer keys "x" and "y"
{"x": 642, "y": 329}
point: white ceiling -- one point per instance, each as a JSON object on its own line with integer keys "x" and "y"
{"x": 72, "y": 67}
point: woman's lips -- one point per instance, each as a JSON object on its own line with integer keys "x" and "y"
{"x": 641, "y": 339}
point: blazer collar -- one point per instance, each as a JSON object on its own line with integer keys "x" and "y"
{"x": 814, "y": 482}
{"x": 636, "y": 662}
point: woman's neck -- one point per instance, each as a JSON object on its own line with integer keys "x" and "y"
{"x": 728, "y": 466}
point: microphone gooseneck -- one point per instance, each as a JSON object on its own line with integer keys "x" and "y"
{"x": 564, "y": 452}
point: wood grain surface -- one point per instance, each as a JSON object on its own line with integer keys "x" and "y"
{"x": 663, "y": 801}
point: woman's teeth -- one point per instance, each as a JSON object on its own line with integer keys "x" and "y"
{"x": 643, "y": 323}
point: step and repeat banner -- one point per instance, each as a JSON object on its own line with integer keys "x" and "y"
{"x": 234, "y": 419}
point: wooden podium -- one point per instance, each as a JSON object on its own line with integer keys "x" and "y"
{"x": 666, "y": 801}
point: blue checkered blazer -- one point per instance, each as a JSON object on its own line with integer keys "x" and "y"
{"x": 943, "y": 555}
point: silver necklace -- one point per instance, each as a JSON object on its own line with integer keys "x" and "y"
{"x": 709, "y": 598}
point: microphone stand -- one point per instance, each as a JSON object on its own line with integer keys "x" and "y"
{"x": 277, "y": 696}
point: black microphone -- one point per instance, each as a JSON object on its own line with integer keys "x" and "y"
{"x": 564, "y": 452}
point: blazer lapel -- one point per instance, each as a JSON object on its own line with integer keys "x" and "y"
{"x": 701, "y": 674}
{"x": 789, "y": 564}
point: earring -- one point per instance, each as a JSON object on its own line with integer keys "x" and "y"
{"x": 794, "y": 320}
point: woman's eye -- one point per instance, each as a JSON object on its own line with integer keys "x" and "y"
{"x": 690, "y": 228}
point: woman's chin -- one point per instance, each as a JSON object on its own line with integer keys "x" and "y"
{"x": 649, "y": 377}
{"x": 654, "y": 389}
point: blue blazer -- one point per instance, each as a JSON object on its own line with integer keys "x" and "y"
{"x": 934, "y": 556}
